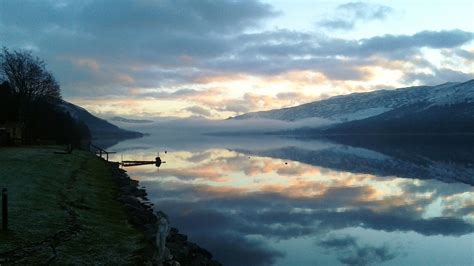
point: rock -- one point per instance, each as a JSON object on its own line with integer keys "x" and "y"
{"x": 162, "y": 225}
{"x": 129, "y": 200}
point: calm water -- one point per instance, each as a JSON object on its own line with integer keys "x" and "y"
{"x": 275, "y": 201}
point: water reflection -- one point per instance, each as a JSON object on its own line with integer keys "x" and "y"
{"x": 313, "y": 202}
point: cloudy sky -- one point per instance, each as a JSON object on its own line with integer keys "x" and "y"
{"x": 217, "y": 59}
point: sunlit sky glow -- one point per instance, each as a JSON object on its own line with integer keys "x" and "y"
{"x": 222, "y": 58}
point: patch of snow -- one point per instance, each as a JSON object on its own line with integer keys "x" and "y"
{"x": 448, "y": 94}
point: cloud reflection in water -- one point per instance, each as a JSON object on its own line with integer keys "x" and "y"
{"x": 243, "y": 207}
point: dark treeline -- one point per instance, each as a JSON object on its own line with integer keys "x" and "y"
{"x": 30, "y": 100}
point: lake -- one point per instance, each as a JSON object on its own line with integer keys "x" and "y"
{"x": 285, "y": 201}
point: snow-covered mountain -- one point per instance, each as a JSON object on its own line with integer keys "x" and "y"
{"x": 128, "y": 120}
{"x": 359, "y": 106}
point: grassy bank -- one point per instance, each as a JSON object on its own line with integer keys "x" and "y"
{"x": 63, "y": 210}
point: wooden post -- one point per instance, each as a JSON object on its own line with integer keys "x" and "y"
{"x": 4, "y": 209}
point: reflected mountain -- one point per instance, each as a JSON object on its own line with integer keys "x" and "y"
{"x": 324, "y": 202}
{"x": 449, "y": 159}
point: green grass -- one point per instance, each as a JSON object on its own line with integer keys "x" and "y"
{"x": 42, "y": 186}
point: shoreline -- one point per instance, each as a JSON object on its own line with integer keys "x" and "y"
{"x": 141, "y": 215}
{"x": 63, "y": 210}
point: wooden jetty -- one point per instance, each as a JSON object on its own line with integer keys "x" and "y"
{"x": 99, "y": 151}
{"x": 156, "y": 162}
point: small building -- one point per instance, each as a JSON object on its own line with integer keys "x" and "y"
{"x": 4, "y": 137}
{"x": 11, "y": 132}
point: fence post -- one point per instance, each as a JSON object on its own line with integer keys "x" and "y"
{"x": 4, "y": 209}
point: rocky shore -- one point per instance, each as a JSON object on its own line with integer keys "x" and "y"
{"x": 142, "y": 216}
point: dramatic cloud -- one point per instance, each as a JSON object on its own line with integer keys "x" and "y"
{"x": 431, "y": 39}
{"x": 147, "y": 36}
{"x": 438, "y": 76}
{"x": 197, "y": 110}
{"x": 296, "y": 45}
{"x": 348, "y": 15}
{"x": 338, "y": 242}
{"x": 220, "y": 55}
{"x": 350, "y": 252}
{"x": 237, "y": 250}
{"x": 468, "y": 55}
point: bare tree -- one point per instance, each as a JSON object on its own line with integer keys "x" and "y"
{"x": 28, "y": 78}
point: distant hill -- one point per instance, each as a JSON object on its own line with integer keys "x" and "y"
{"x": 444, "y": 109}
{"x": 100, "y": 129}
{"x": 132, "y": 121}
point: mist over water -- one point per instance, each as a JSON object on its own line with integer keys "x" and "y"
{"x": 195, "y": 126}
{"x": 282, "y": 201}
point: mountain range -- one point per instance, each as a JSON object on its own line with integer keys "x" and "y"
{"x": 443, "y": 109}
{"x": 100, "y": 129}
{"x": 128, "y": 120}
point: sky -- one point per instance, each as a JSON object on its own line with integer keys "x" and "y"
{"x": 215, "y": 59}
